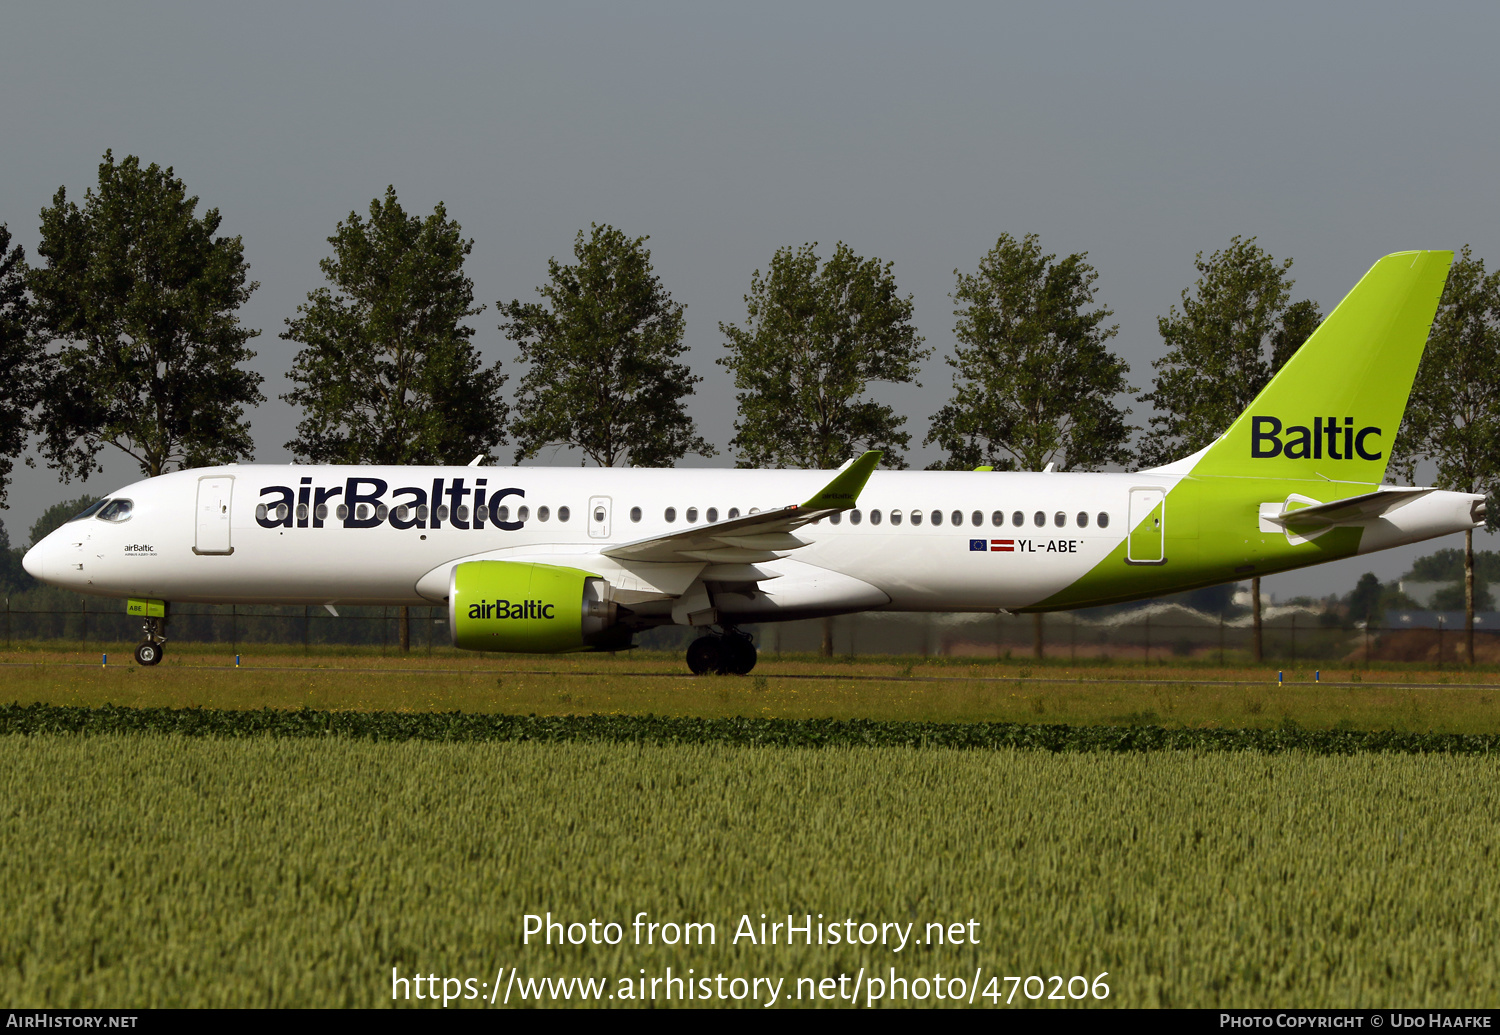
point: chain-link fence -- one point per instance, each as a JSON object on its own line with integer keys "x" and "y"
{"x": 1152, "y": 632}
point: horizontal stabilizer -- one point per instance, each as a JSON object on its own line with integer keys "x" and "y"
{"x": 1349, "y": 511}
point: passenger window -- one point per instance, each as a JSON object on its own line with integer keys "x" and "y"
{"x": 835, "y": 518}
{"x": 261, "y": 513}
{"x": 895, "y": 517}
{"x": 937, "y": 517}
{"x": 997, "y": 518}
{"x": 957, "y": 517}
{"x": 563, "y": 513}
{"x": 635, "y": 514}
{"x": 343, "y": 512}
{"x": 302, "y": 512}
{"x": 441, "y": 512}
{"x": 734, "y": 512}
{"x": 321, "y": 512}
{"x": 1083, "y": 519}
{"x": 755, "y": 510}
{"x": 713, "y": 514}
{"x": 1039, "y": 518}
{"x": 874, "y": 517}
{"x": 522, "y": 513}
{"x": 1018, "y": 519}
{"x": 502, "y": 513}
{"x": 916, "y": 517}
{"x": 381, "y": 511}
{"x": 421, "y": 512}
{"x": 1103, "y": 519}
{"x": 462, "y": 513}
{"x": 1060, "y": 519}
{"x": 854, "y": 517}
{"x": 670, "y": 514}
{"x": 977, "y": 518}
{"x": 692, "y": 515}
{"x": 543, "y": 513}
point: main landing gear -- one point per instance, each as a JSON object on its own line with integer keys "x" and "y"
{"x": 729, "y": 654}
{"x": 150, "y": 652}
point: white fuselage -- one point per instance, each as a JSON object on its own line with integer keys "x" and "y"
{"x": 967, "y": 551}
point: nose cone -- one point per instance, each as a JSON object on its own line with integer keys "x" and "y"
{"x": 35, "y": 561}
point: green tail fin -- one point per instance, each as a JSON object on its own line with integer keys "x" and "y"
{"x": 1353, "y": 375}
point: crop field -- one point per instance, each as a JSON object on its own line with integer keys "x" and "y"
{"x": 287, "y": 832}
{"x": 1390, "y": 697}
{"x": 186, "y": 871}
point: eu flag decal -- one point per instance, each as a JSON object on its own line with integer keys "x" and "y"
{"x": 978, "y": 544}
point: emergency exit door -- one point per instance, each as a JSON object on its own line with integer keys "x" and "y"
{"x": 599, "y": 517}
{"x": 1147, "y": 543}
{"x": 213, "y": 515}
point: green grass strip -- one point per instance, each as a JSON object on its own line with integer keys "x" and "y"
{"x": 33, "y": 719}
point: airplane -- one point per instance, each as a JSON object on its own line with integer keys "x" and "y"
{"x": 547, "y": 560}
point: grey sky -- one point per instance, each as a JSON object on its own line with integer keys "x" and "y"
{"x": 1139, "y": 133}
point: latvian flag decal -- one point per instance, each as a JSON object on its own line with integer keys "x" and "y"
{"x": 992, "y": 546}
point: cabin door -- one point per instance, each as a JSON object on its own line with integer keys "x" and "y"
{"x": 1148, "y": 527}
{"x": 213, "y": 515}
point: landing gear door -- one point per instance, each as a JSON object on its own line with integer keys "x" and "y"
{"x": 599, "y": 517}
{"x": 213, "y": 515}
{"x": 1147, "y": 543}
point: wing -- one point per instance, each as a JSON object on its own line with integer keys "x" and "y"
{"x": 755, "y": 537}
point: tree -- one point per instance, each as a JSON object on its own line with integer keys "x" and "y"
{"x": 1453, "y": 416}
{"x": 21, "y": 357}
{"x": 1234, "y": 331}
{"x": 1034, "y": 382}
{"x": 604, "y": 350}
{"x": 145, "y": 301}
{"x": 1364, "y": 600}
{"x": 815, "y": 339}
{"x": 388, "y": 374}
{"x": 57, "y": 515}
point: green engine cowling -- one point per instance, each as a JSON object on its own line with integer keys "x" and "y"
{"x": 530, "y": 608}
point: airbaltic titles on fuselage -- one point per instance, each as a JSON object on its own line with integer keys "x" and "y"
{"x": 365, "y": 504}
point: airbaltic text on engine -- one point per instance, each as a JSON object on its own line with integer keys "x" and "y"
{"x": 506, "y": 609}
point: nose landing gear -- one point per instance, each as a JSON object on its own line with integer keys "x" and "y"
{"x": 732, "y": 653}
{"x": 150, "y": 652}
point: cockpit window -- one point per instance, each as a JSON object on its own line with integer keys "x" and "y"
{"x": 90, "y": 511}
{"x": 116, "y": 510}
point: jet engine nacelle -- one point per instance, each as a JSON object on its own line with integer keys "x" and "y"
{"x": 530, "y": 608}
